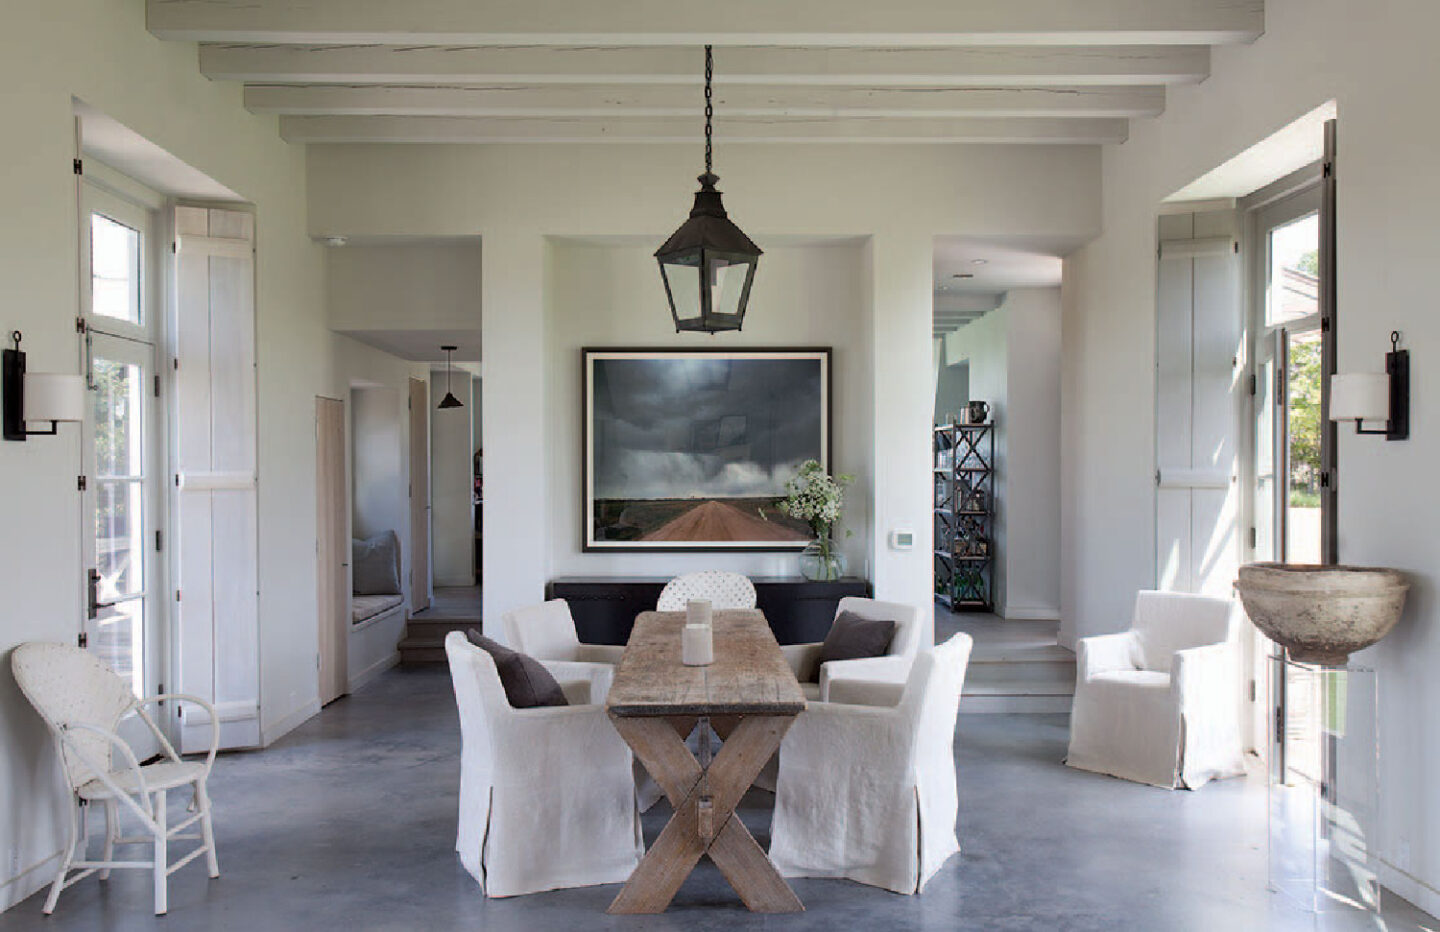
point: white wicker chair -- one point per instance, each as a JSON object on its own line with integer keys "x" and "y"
{"x": 82, "y": 703}
{"x": 724, "y": 590}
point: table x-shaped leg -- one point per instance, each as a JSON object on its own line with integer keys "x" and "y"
{"x": 747, "y": 748}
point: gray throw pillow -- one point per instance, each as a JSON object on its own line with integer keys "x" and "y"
{"x": 853, "y": 636}
{"x": 526, "y": 682}
{"x": 375, "y": 565}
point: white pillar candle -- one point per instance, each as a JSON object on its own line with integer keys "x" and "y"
{"x": 697, "y": 645}
{"x": 698, "y": 612}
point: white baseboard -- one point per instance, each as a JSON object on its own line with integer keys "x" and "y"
{"x": 279, "y": 729}
{"x": 365, "y": 676}
{"x": 1033, "y": 613}
{"x": 28, "y": 882}
{"x": 1408, "y": 886}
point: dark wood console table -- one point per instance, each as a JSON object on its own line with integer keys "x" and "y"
{"x": 605, "y": 607}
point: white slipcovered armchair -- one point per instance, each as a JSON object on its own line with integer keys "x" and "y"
{"x": 723, "y": 590}
{"x": 547, "y": 799}
{"x": 547, "y": 633}
{"x": 867, "y": 791}
{"x": 82, "y": 703}
{"x": 1160, "y": 703}
{"x": 894, "y": 667}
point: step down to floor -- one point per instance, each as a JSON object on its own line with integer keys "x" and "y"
{"x": 424, "y": 640}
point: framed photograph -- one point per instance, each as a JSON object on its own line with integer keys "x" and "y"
{"x": 689, "y": 449}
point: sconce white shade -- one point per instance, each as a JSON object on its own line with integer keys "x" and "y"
{"x": 50, "y": 397}
{"x": 1360, "y": 396}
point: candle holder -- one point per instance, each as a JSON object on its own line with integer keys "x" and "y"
{"x": 697, "y": 645}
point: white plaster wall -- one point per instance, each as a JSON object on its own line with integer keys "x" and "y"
{"x": 409, "y": 286}
{"x": 610, "y": 296}
{"x": 897, "y": 198}
{"x": 952, "y": 391}
{"x": 452, "y": 483}
{"x": 1032, "y": 516}
{"x": 378, "y": 462}
{"x": 1377, "y": 62}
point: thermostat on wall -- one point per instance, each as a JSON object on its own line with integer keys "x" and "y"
{"x": 902, "y": 538}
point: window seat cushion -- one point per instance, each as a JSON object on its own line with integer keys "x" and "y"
{"x": 365, "y": 607}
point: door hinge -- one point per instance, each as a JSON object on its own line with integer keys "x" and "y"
{"x": 175, "y": 364}
{"x": 157, "y": 385}
{"x": 1327, "y": 170}
{"x": 80, "y": 325}
{"x": 1279, "y": 385}
{"x": 82, "y": 640}
{"x": 159, "y": 541}
{"x": 1254, "y": 690}
{"x": 1327, "y": 479}
{"x": 1254, "y": 538}
{"x": 82, "y": 483}
{"x": 77, "y": 166}
{"x": 1254, "y": 385}
{"x": 1324, "y": 324}
{"x": 177, "y": 595}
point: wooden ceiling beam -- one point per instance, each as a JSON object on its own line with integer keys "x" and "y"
{"x": 427, "y": 129}
{"x": 736, "y": 22}
{"x": 651, "y": 101}
{"x": 993, "y": 67}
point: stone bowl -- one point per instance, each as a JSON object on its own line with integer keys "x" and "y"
{"x": 1322, "y": 614}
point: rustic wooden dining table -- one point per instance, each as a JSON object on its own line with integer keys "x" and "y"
{"x": 750, "y": 697}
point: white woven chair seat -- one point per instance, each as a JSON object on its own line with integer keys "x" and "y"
{"x": 165, "y": 775}
{"x": 723, "y": 590}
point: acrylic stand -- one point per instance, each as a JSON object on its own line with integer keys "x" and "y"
{"x": 1324, "y": 794}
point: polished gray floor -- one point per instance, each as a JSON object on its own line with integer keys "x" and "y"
{"x": 348, "y": 823}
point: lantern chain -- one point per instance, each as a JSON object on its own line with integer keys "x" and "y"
{"x": 709, "y": 106}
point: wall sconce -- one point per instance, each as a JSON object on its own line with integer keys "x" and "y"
{"x": 37, "y": 396}
{"x": 1365, "y": 396}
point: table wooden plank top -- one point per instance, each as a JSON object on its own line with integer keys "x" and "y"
{"x": 749, "y": 675}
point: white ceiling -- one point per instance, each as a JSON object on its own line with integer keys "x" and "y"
{"x": 990, "y": 266}
{"x": 565, "y": 71}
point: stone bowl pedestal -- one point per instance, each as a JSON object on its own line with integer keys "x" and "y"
{"x": 1322, "y": 614}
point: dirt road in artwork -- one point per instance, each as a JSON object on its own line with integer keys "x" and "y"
{"x": 719, "y": 521}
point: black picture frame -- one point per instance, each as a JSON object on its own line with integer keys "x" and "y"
{"x": 591, "y": 543}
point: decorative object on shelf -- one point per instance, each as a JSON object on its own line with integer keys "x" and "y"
{"x": 689, "y": 449}
{"x": 1322, "y": 614}
{"x": 964, "y": 519}
{"x": 449, "y": 401}
{"x": 708, "y": 265}
{"x": 1365, "y": 396}
{"x": 697, "y": 645}
{"x": 979, "y": 412}
{"x": 37, "y": 396}
{"x": 817, "y": 498}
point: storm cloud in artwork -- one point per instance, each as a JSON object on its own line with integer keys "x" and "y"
{"x": 692, "y": 426}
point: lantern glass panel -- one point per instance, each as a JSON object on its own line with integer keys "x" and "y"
{"x": 682, "y": 277}
{"x": 727, "y": 284}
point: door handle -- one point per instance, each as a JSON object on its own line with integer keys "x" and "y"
{"x": 94, "y": 601}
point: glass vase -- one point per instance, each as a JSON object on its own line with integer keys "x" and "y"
{"x": 822, "y": 561}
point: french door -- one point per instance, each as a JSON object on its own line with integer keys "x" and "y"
{"x": 1288, "y": 501}
{"x": 122, "y": 441}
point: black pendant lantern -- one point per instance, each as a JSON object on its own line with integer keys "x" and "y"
{"x": 708, "y": 265}
{"x": 449, "y": 401}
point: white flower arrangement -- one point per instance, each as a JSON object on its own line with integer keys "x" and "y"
{"x": 815, "y": 497}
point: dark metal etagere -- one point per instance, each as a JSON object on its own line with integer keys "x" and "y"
{"x": 965, "y": 516}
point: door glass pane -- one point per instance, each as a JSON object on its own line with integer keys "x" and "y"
{"x": 114, "y": 269}
{"x": 119, "y": 641}
{"x": 1293, "y": 288}
{"x": 1302, "y": 514}
{"x": 119, "y": 544}
{"x": 118, "y": 400}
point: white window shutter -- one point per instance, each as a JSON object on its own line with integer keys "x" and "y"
{"x": 218, "y": 637}
{"x": 1198, "y": 327}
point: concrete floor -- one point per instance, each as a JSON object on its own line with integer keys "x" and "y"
{"x": 348, "y": 823}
